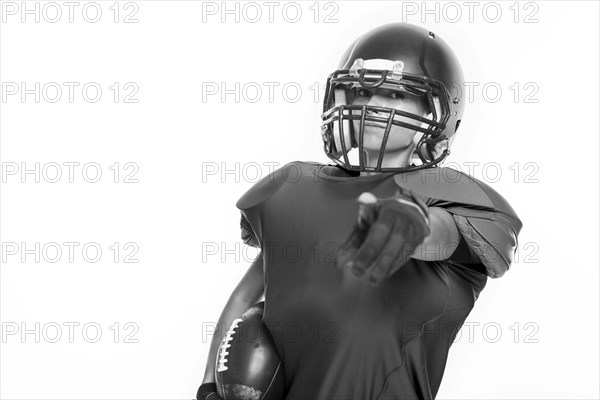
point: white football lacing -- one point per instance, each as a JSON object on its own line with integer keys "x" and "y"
{"x": 225, "y": 345}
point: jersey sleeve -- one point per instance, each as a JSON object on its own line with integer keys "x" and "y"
{"x": 248, "y": 236}
{"x": 252, "y": 204}
{"x": 488, "y": 239}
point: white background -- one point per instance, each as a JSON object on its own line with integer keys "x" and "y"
{"x": 177, "y": 216}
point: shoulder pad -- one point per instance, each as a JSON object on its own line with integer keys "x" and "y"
{"x": 448, "y": 184}
{"x": 263, "y": 189}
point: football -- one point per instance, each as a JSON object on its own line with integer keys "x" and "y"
{"x": 247, "y": 365}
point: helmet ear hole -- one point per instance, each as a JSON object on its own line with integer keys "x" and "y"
{"x": 457, "y": 125}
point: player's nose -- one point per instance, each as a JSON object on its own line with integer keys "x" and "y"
{"x": 377, "y": 100}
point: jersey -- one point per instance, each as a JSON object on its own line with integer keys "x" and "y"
{"x": 338, "y": 336}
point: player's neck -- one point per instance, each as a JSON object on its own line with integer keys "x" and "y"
{"x": 394, "y": 159}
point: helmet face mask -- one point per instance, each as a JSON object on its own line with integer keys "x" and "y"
{"x": 397, "y": 61}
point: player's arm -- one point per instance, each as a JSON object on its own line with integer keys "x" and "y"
{"x": 249, "y": 291}
{"x": 443, "y": 238}
{"x": 391, "y": 231}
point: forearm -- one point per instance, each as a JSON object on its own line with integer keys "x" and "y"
{"x": 443, "y": 239}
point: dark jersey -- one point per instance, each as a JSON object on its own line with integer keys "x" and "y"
{"x": 338, "y": 336}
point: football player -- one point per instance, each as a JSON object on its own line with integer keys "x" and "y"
{"x": 370, "y": 265}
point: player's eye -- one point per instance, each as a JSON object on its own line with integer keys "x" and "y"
{"x": 397, "y": 95}
{"x": 363, "y": 93}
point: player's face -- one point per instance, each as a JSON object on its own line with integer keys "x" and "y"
{"x": 399, "y": 137}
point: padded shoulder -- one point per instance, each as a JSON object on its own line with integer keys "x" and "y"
{"x": 450, "y": 185}
{"x": 263, "y": 189}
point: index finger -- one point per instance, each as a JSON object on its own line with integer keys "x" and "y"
{"x": 348, "y": 249}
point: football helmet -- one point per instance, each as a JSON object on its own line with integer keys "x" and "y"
{"x": 401, "y": 57}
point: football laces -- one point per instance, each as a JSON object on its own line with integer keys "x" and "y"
{"x": 225, "y": 345}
